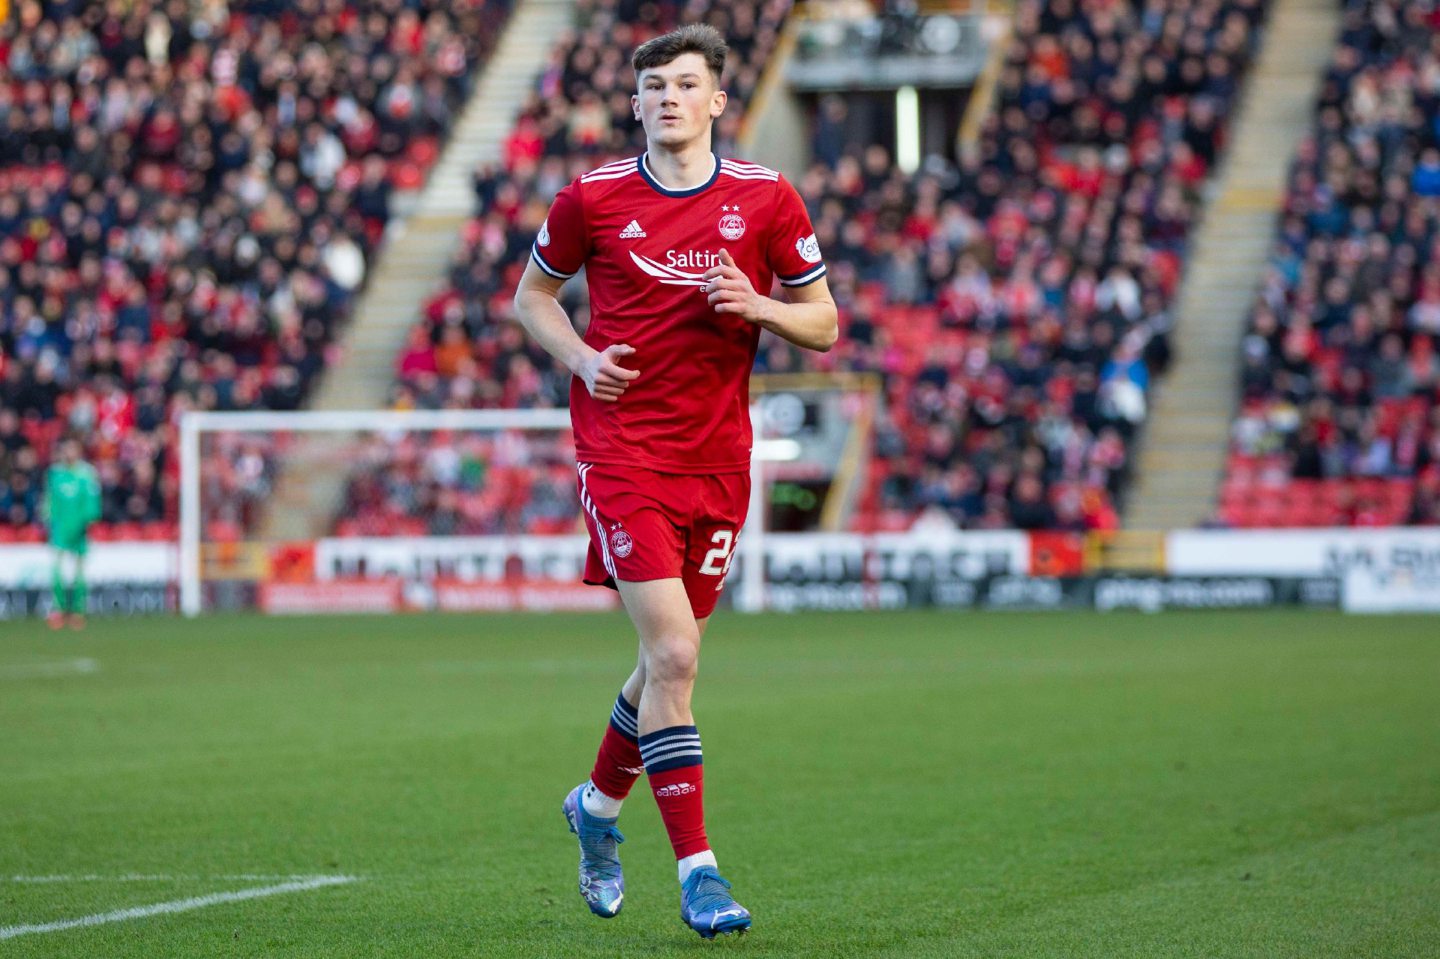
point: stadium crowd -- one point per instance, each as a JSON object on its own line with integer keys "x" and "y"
{"x": 1339, "y": 419}
{"x": 1016, "y": 303}
{"x": 189, "y": 193}
{"x": 466, "y": 351}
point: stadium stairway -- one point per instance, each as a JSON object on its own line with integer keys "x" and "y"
{"x": 1182, "y": 456}
{"x": 418, "y": 250}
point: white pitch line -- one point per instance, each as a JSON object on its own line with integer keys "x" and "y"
{"x": 177, "y": 905}
{"x": 163, "y": 877}
{"x": 65, "y": 667}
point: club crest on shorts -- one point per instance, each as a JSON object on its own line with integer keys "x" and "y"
{"x": 732, "y": 225}
{"x": 620, "y": 542}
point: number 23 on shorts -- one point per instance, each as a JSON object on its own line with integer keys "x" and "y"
{"x": 717, "y": 560}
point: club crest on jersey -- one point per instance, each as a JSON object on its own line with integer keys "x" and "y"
{"x": 620, "y": 542}
{"x": 544, "y": 238}
{"x": 732, "y": 225}
{"x": 809, "y": 248}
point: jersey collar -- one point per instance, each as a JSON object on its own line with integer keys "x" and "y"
{"x": 643, "y": 165}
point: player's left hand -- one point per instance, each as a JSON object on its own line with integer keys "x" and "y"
{"x": 729, "y": 290}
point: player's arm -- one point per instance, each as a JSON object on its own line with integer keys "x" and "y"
{"x": 92, "y": 496}
{"x": 537, "y": 306}
{"x": 809, "y": 318}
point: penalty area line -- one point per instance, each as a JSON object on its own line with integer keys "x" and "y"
{"x": 178, "y": 905}
{"x": 49, "y": 670}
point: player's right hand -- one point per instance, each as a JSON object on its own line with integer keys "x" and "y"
{"x": 604, "y": 377}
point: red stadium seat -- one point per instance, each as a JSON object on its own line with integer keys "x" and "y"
{"x": 406, "y": 175}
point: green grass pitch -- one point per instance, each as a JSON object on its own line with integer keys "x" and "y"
{"x": 898, "y": 785}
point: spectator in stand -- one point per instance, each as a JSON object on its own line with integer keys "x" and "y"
{"x": 1339, "y": 372}
{"x": 1018, "y": 298}
{"x": 187, "y": 187}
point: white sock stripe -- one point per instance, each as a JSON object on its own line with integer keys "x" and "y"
{"x": 678, "y": 747}
{"x": 676, "y": 754}
{"x": 625, "y": 723}
{"x": 656, "y": 752}
{"x": 667, "y": 740}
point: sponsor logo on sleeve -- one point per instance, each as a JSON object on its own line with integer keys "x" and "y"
{"x": 809, "y": 248}
{"x": 544, "y": 238}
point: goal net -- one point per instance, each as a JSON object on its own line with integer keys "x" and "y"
{"x": 462, "y": 509}
{"x": 385, "y": 512}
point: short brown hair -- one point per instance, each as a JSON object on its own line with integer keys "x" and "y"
{"x": 698, "y": 38}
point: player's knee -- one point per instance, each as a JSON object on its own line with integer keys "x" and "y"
{"x": 672, "y": 659}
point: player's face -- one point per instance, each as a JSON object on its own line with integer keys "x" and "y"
{"x": 677, "y": 101}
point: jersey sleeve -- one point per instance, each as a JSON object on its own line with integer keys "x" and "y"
{"x": 793, "y": 251}
{"x": 92, "y": 495}
{"x": 47, "y": 497}
{"x": 563, "y": 242}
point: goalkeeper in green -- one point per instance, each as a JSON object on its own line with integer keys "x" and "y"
{"x": 71, "y": 504}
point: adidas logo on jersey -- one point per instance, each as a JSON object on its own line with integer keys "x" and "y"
{"x": 632, "y": 232}
{"x": 675, "y": 789}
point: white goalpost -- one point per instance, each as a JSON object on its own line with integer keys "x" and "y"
{"x": 331, "y": 470}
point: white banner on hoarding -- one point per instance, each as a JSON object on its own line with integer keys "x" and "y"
{"x": 28, "y": 564}
{"x": 1394, "y": 569}
{"x": 1391, "y": 591}
{"x": 463, "y": 558}
{"x": 1301, "y": 552}
{"x": 944, "y": 554}
{"x": 822, "y": 557}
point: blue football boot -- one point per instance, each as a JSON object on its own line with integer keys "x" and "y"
{"x": 601, "y": 881}
{"x": 707, "y": 906}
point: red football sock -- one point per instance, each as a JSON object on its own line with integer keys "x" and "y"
{"x": 677, "y": 779}
{"x": 618, "y": 763}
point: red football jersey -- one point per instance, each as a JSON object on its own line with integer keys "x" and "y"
{"x": 645, "y": 249}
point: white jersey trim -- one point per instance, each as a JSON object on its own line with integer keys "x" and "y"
{"x": 749, "y": 167}
{"x": 804, "y": 278}
{"x": 610, "y": 171}
{"x": 540, "y": 262}
{"x": 747, "y": 171}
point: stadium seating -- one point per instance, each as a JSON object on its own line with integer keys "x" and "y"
{"x": 465, "y": 351}
{"x": 1339, "y": 420}
{"x": 1016, "y": 305}
{"x": 188, "y": 197}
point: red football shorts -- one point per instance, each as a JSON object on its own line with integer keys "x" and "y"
{"x": 646, "y": 525}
